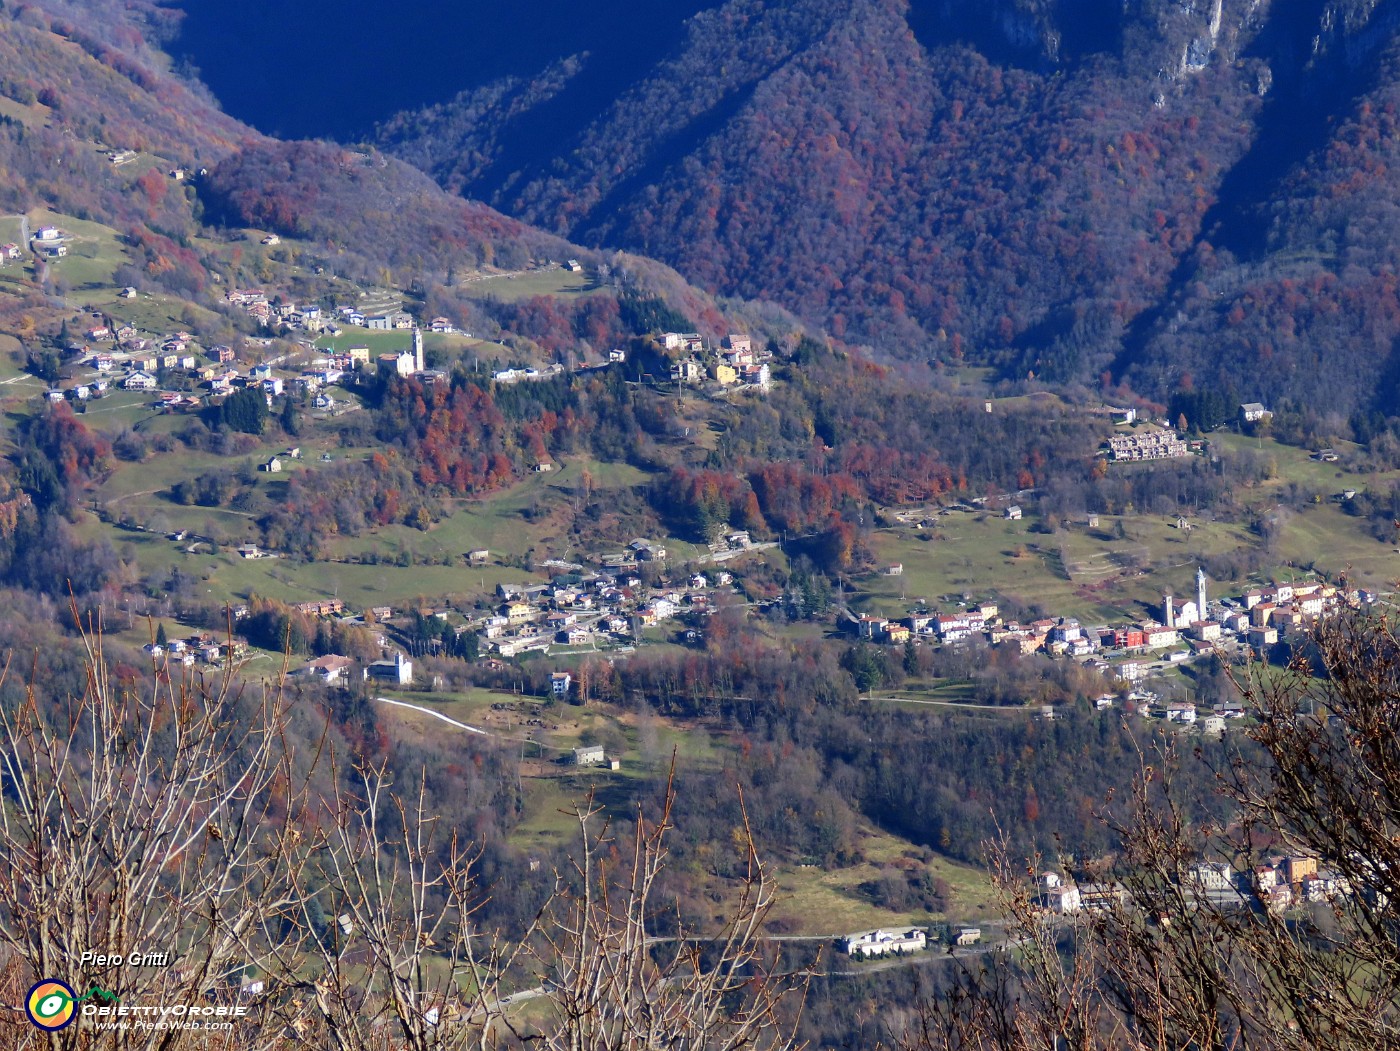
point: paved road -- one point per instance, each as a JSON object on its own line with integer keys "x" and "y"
{"x": 1006, "y": 708}
{"x": 435, "y": 715}
{"x": 911, "y": 960}
{"x": 23, "y": 229}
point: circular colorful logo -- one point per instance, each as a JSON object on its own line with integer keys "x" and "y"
{"x": 51, "y": 1004}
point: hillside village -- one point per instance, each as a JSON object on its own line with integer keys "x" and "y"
{"x": 1242, "y": 627}
{"x": 601, "y": 601}
{"x": 112, "y": 354}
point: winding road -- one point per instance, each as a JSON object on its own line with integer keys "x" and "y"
{"x": 435, "y": 715}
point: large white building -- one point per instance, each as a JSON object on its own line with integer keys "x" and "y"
{"x": 885, "y": 941}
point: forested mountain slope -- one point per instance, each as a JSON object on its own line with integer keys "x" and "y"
{"x": 1063, "y": 190}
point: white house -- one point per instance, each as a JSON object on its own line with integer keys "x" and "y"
{"x": 559, "y": 683}
{"x": 1181, "y": 712}
{"x": 329, "y": 669}
{"x": 589, "y": 755}
{"x": 139, "y": 381}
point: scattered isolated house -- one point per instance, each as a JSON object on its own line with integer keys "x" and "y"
{"x": 559, "y": 683}
{"x": 1181, "y": 712}
{"x": 271, "y": 239}
{"x": 47, "y": 233}
{"x": 250, "y": 551}
{"x": 886, "y": 941}
{"x": 273, "y": 466}
{"x": 573, "y": 266}
{"x": 398, "y": 671}
{"x": 616, "y": 355}
{"x": 968, "y": 936}
{"x": 1253, "y": 411}
{"x": 1013, "y": 513}
{"x": 589, "y": 755}
{"x": 329, "y": 669}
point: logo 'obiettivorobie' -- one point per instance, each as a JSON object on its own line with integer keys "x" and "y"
{"x": 51, "y": 1004}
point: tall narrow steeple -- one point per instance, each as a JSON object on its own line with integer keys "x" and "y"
{"x": 1201, "y": 594}
{"x": 417, "y": 349}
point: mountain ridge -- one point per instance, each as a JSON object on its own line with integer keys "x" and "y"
{"x": 1028, "y": 197}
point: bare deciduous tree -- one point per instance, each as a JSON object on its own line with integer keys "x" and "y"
{"x": 178, "y": 818}
{"x": 1165, "y": 965}
{"x": 614, "y": 985}
{"x": 159, "y": 819}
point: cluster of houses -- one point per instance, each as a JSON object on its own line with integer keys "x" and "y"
{"x": 135, "y": 363}
{"x": 198, "y": 647}
{"x": 734, "y": 363}
{"x": 1153, "y": 444}
{"x": 1275, "y": 884}
{"x": 592, "y": 608}
{"x": 278, "y": 315}
{"x": 1061, "y": 897}
{"x": 1278, "y": 883}
{"x": 1162, "y": 442}
{"x": 900, "y": 941}
{"x": 1259, "y": 618}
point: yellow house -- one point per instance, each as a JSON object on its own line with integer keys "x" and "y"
{"x": 359, "y": 355}
{"x": 725, "y": 374}
{"x": 516, "y": 612}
